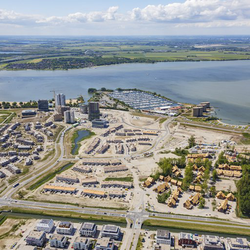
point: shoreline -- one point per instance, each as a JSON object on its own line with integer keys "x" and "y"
{"x": 106, "y": 65}
{"x": 34, "y": 75}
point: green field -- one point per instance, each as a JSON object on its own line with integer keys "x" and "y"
{"x": 205, "y": 227}
{"x": 126, "y": 179}
{"x": 5, "y": 114}
{"x": 138, "y": 50}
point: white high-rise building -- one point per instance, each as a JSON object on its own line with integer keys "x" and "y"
{"x": 69, "y": 116}
{"x": 60, "y": 100}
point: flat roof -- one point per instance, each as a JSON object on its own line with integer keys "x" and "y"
{"x": 82, "y": 239}
{"x": 95, "y": 192}
{"x": 88, "y": 225}
{"x": 45, "y": 221}
{"x": 28, "y": 111}
{"x": 110, "y": 228}
{"x": 36, "y": 234}
{"x": 59, "y": 188}
{"x": 58, "y": 237}
{"x": 92, "y": 179}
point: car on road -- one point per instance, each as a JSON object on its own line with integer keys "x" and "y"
{"x": 15, "y": 185}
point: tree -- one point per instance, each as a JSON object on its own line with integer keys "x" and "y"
{"x": 243, "y": 190}
{"x": 213, "y": 191}
{"x": 166, "y": 166}
{"x": 202, "y": 203}
{"x": 214, "y": 175}
{"x": 163, "y": 197}
{"x": 187, "y": 180}
{"x": 80, "y": 99}
{"x": 191, "y": 141}
{"x": 92, "y": 90}
{"x": 14, "y": 104}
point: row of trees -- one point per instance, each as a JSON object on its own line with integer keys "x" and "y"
{"x": 30, "y": 104}
{"x": 76, "y": 63}
{"x": 243, "y": 191}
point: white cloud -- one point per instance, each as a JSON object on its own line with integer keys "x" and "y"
{"x": 11, "y": 17}
{"x": 197, "y": 13}
{"x": 95, "y": 16}
{"x": 194, "y": 11}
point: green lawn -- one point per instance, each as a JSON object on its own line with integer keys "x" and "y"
{"x": 127, "y": 179}
{"x": 219, "y": 228}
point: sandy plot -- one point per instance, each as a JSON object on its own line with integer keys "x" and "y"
{"x": 226, "y": 185}
{"x": 14, "y": 237}
{"x": 203, "y": 135}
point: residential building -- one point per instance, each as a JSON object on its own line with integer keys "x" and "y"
{"x": 94, "y": 111}
{"x": 59, "y": 241}
{"x": 45, "y": 225}
{"x": 205, "y": 105}
{"x": 223, "y": 206}
{"x": 94, "y": 144}
{"x": 99, "y": 123}
{"x": 49, "y": 188}
{"x": 67, "y": 179}
{"x": 2, "y": 175}
{"x": 27, "y": 113}
{"x": 88, "y": 229}
{"x": 82, "y": 169}
{"x": 238, "y": 244}
{"x": 28, "y": 162}
{"x": 69, "y": 116}
{"x": 197, "y": 111}
{"x": 111, "y": 231}
{"x": 23, "y": 147}
{"x": 83, "y": 108}
{"x": 81, "y": 243}
{"x": 65, "y": 227}
{"x": 116, "y": 193}
{"x": 186, "y": 240}
{"x": 104, "y": 244}
{"x": 60, "y": 100}
{"x": 103, "y": 149}
{"x": 163, "y": 237}
{"x": 89, "y": 181}
{"x": 93, "y": 193}
{"x": 43, "y": 105}
{"x": 36, "y": 238}
{"x": 13, "y": 169}
{"x": 211, "y": 242}
{"x": 110, "y": 169}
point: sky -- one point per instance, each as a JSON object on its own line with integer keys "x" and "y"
{"x": 124, "y": 17}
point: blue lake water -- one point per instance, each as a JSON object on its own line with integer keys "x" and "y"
{"x": 225, "y": 84}
{"x": 81, "y": 134}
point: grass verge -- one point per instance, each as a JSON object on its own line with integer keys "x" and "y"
{"x": 64, "y": 214}
{"x": 198, "y": 227}
{"x": 50, "y": 176}
{"x": 139, "y": 243}
{"x": 162, "y": 120}
{"x": 126, "y": 179}
{"x": 25, "y": 170}
{"x": 246, "y": 138}
{"x": 136, "y": 113}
